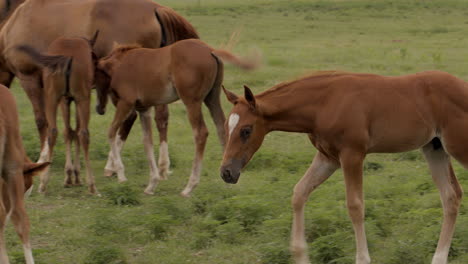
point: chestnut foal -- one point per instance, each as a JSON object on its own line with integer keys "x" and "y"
{"x": 16, "y": 172}
{"x": 141, "y": 78}
{"x": 348, "y": 115}
{"x": 68, "y": 76}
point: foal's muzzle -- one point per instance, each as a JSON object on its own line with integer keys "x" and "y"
{"x": 231, "y": 172}
{"x": 230, "y": 176}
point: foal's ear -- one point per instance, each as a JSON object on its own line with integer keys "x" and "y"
{"x": 230, "y": 96}
{"x": 33, "y": 169}
{"x": 249, "y": 96}
{"x": 92, "y": 41}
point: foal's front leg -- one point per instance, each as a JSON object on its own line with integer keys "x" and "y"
{"x": 145, "y": 118}
{"x": 161, "y": 116}
{"x": 351, "y": 162}
{"x": 122, "y": 135}
{"x": 320, "y": 170}
{"x": 200, "y": 133}
{"x": 123, "y": 111}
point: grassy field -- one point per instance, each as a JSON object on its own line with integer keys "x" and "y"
{"x": 250, "y": 222}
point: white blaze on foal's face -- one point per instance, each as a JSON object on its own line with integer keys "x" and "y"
{"x": 233, "y": 121}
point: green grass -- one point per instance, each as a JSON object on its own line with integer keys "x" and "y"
{"x": 250, "y": 222}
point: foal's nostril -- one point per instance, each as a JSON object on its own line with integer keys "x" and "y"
{"x": 226, "y": 175}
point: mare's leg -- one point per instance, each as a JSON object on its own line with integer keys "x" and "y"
{"x": 124, "y": 109}
{"x": 18, "y": 216}
{"x": 52, "y": 101}
{"x": 32, "y": 86}
{"x": 200, "y": 133}
{"x": 351, "y": 162}
{"x": 161, "y": 116}
{"x": 145, "y": 118}
{"x": 320, "y": 170}
{"x": 69, "y": 135}
{"x": 82, "y": 108}
{"x": 213, "y": 103}
{"x": 449, "y": 188}
{"x": 122, "y": 135}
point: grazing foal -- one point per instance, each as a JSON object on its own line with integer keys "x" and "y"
{"x": 348, "y": 115}
{"x": 141, "y": 78}
{"x": 68, "y": 76}
{"x": 16, "y": 172}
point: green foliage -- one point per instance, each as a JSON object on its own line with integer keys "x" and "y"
{"x": 243, "y": 209}
{"x": 123, "y": 194}
{"x": 105, "y": 254}
{"x": 158, "y": 225}
{"x": 275, "y": 253}
{"x": 372, "y": 166}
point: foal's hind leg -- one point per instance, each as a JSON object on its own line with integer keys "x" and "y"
{"x": 161, "y": 116}
{"x": 3, "y": 221}
{"x": 450, "y": 194}
{"x": 76, "y": 140}
{"x": 320, "y": 170}
{"x": 82, "y": 108}
{"x": 200, "y": 134}
{"x": 145, "y": 118}
{"x": 69, "y": 136}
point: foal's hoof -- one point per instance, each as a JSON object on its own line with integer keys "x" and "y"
{"x": 41, "y": 189}
{"x": 92, "y": 190}
{"x": 108, "y": 173}
{"x": 164, "y": 174}
{"x": 185, "y": 194}
{"x": 122, "y": 180}
{"x": 149, "y": 192}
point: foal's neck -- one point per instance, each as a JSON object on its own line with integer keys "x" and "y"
{"x": 291, "y": 107}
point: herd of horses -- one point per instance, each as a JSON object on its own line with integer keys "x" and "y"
{"x": 59, "y": 59}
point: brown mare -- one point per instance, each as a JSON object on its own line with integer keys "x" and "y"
{"x": 141, "y": 78}
{"x": 37, "y": 23}
{"x": 16, "y": 172}
{"x": 348, "y": 115}
{"x": 68, "y": 75}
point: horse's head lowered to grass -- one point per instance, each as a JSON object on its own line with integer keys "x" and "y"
{"x": 246, "y": 128}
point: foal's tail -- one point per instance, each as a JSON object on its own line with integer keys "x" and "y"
{"x": 247, "y": 63}
{"x": 55, "y": 63}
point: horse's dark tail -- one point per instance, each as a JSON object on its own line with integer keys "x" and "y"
{"x": 56, "y": 63}
{"x": 174, "y": 27}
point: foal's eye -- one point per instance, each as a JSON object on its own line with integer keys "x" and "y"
{"x": 245, "y": 133}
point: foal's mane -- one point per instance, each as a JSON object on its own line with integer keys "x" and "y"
{"x": 313, "y": 75}
{"x": 120, "y": 49}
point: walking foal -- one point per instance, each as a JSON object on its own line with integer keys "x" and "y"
{"x": 141, "y": 78}
{"x": 16, "y": 172}
{"x": 346, "y": 116}
{"x": 68, "y": 76}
